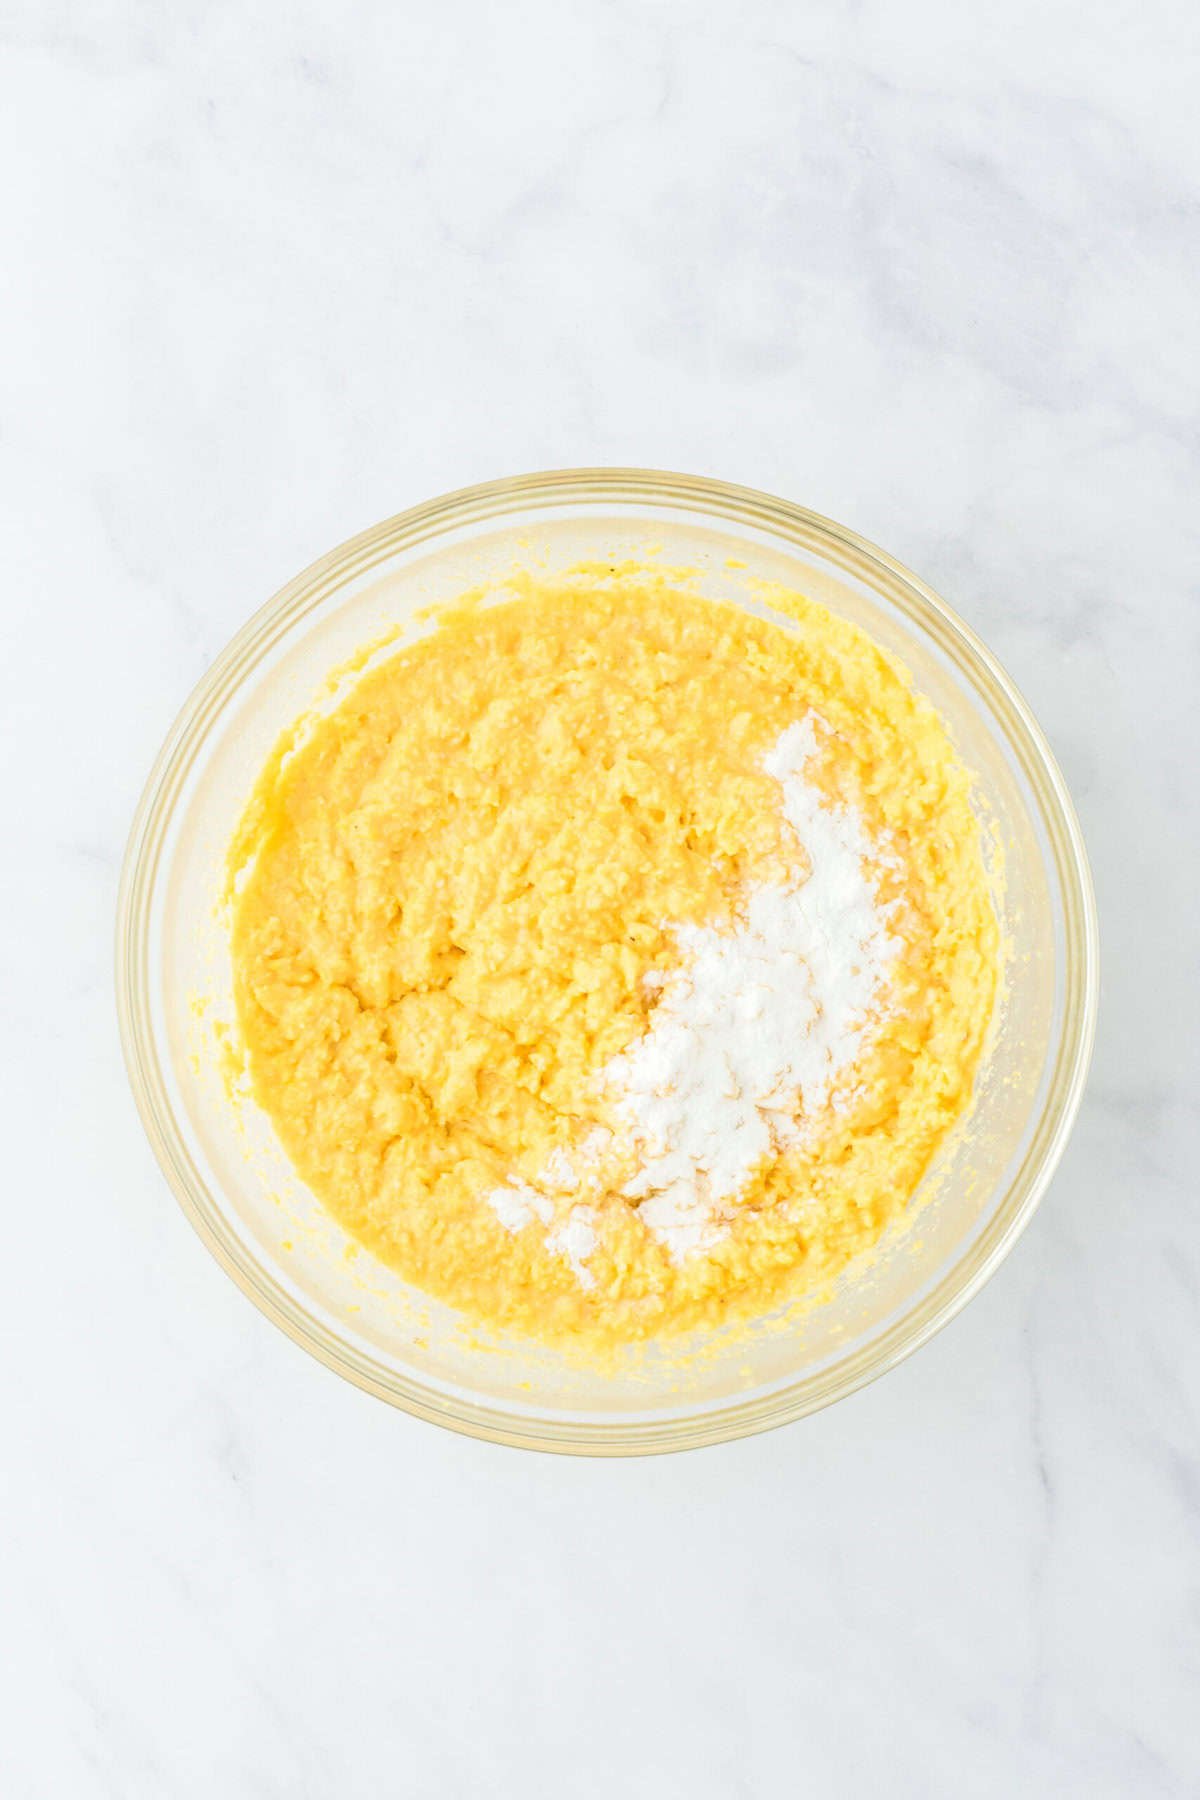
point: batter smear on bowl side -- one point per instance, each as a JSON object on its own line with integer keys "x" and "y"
{"x": 612, "y": 962}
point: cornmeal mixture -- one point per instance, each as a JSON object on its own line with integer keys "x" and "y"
{"x": 612, "y": 962}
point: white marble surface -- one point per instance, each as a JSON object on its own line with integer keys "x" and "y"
{"x": 272, "y": 273}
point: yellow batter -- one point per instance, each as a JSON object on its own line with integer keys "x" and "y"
{"x": 450, "y": 894}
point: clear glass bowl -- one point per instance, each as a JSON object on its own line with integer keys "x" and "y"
{"x": 283, "y": 1250}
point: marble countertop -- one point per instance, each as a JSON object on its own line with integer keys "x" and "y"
{"x": 272, "y": 274}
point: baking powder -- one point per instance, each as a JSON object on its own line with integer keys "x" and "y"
{"x": 748, "y": 1039}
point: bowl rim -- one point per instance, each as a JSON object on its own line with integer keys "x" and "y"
{"x": 732, "y": 504}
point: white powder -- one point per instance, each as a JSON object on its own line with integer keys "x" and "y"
{"x": 749, "y": 1035}
{"x": 759, "y": 1022}
{"x": 560, "y": 1171}
{"x": 516, "y": 1204}
{"x": 575, "y": 1239}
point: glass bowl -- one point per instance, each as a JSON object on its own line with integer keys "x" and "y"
{"x": 288, "y": 1255}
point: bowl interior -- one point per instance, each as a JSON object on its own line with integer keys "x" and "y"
{"x": 291, "y": 1256}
